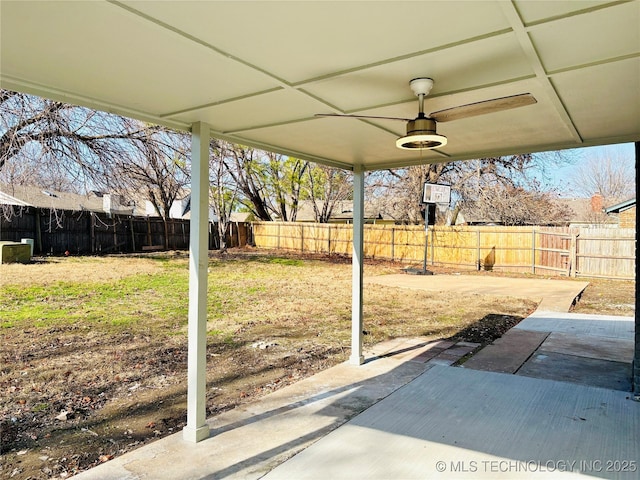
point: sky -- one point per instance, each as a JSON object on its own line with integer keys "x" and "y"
{"x": 561, "y": 177}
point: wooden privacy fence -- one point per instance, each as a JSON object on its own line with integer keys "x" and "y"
{"x": 80, "y": 232}
{"x": 589, "y": 252}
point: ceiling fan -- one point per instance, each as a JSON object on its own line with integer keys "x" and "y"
{"x": 421, "y": 131}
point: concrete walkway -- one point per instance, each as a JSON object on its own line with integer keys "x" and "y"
{"x": 407, "y": 413}
{"x": 553, "y": 295}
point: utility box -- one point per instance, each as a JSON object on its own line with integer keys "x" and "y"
{"x": 13, "y": 252}
{"x": 28, "y": 241}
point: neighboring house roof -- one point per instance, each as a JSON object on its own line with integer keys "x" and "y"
{"x": 621, "y": 207}
{"x": 581, "y": 208}
{"x": 241, "y": 217}
{"x": 6, "y": 199}
{"x": 583, "y": 211}
{"x": 586, "y": 210}
{"x": 342, "y": 211}
{"x": 181, "y": 207}
{"x": 31, "y": 196}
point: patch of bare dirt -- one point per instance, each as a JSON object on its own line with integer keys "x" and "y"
{"x": 79, "y": 400}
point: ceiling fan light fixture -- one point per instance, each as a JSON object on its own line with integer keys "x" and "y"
{"x": 421, "y": 135}
{"x": 421, "y": 142}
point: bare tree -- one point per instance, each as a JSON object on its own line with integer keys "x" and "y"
{"x": 327, "y": 187}
{"x": 611, "y": 175}
{"x": 223, "y": 191}
{"x": 271, "y": 184}
{"x": 70, "y": 148}
{"x": 397, "y": 193}
{"x": 247, "y": 171}
{"x": 157, "y": 170}
{"x": 507, "y": 205}
{"x": 61, "y": 145}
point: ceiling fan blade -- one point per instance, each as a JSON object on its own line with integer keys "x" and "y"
{"x": 484, "y": 107}
{"x": 371, "y": 117}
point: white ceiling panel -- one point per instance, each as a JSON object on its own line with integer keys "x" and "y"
{"x": 492, "y": 60}
{"x": 100, "y": 51}
{"x": 596, "y": 36}
{"x": 339, "y": 141}
{"x": 286, "y": 104}
{"x": 539, "y": 11}
{"x": 257, "y": 72}
{"x": 316, "y": 38}
{"x": 603, "y": 109}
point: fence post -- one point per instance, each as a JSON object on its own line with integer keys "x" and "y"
{"x": 115, "y": 234}
{"x": 478, "y": 260}
{"x": 92, "y": 232}
{"x": 573, "y": 255}
{"x": 432, "y": 248}
{"x": 38, "y": 231}
{"x": 426, "y": 247}
{"x": 133, "y": 233}
{"x": 533, "y": 251}
{"x": 393, "y": 243}
{"x": 328, "y": 239}
{"x": 278, "y": 238}
{"x": 301, "y": 238}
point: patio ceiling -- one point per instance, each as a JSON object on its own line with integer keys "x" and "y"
{"x": 257, "y": 72}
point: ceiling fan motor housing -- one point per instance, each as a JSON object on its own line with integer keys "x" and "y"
{"x": 421, "y": 134}
{"x": 421, "y": 126}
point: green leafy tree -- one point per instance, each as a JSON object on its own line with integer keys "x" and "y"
{"x": 285, "y": 183}
{"x": 327, "y": 187}
{"x": 270, "y": 185}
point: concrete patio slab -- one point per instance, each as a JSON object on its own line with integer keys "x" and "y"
{"x": 554, "y": 295}
{"x": 458, "y": 423}
{"x": 592, "y": 350}
{"x": 580, "y": 324}
{"x": 578, "y": 369}
{"x": 604, "y": 348}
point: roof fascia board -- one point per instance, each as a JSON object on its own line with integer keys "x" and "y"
{"x": 6, "y": 199}
{"x": 501, "y": 153}
{"x": 622, "y": 206}
{"x": 15, "y": 84}
{"x": 282, "y": 151}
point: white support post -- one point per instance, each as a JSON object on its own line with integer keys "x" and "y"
{"x": 197, "y": 428}
{"x": 635, "y": 365}
{"x": 357, "y": 258}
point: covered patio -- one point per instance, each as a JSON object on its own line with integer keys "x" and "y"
{"x": 257, "y": 73}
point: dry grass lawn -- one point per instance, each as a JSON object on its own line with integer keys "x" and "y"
{"x": 93, "y": 349}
